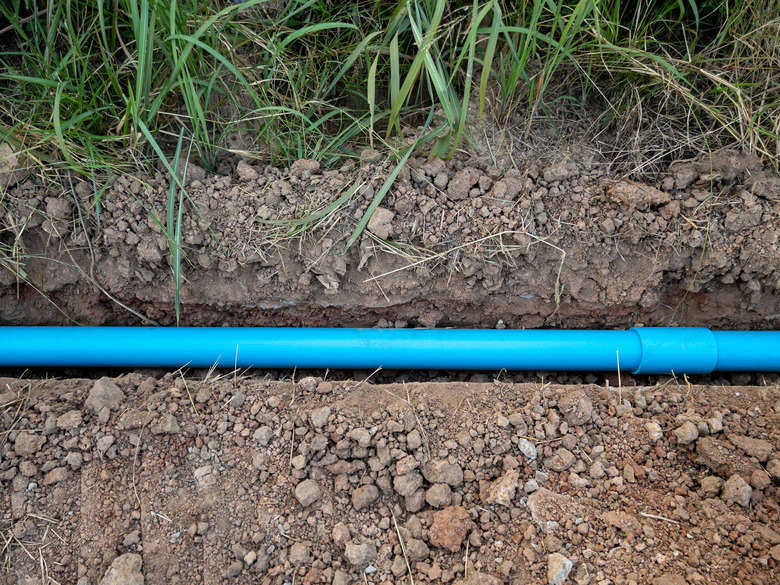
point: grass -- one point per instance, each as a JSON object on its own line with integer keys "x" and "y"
{"x": 105, "y": 87}
{"x": 82, "y": 80}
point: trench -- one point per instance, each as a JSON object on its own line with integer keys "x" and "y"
{"x": 566, "y": 247}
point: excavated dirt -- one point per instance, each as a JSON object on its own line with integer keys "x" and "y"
{"x": 471, "y": 242}
{"x": 153, "y": 477}
{"x": 160, "y": 478}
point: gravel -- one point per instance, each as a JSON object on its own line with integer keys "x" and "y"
{"x": 322, "y": 488}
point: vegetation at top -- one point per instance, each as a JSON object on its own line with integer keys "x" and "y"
{"x": 105, "y": 87}
{"x": 90, "y": 85}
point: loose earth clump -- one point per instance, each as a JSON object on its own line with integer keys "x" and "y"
{"x": 470, "y": 242}
{"x": 156, "y": 477}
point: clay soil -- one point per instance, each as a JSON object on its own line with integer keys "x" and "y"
{"x": 242, "y": 479}
{"x": 477, "y": 241}
{"x": 353, "y": 477}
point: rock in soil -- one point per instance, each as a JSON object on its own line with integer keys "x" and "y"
{"x": 288, "y": 485}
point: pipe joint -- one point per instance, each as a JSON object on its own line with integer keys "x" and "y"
{"x": 684, "y": 350}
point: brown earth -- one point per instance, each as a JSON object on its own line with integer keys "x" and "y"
{"x": 168, "y": 479}
{"x": 173, "y": 479}
{"x": 473, "y": 242}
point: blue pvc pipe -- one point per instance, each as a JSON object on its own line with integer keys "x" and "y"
{"x": 645, "y": 350}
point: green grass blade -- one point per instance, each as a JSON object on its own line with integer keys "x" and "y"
{"x": 488, "y": 59}
{"x": 313, "y": 29}
{"x": 349, "y": 62}
{"x": 324, "y": 212}
{"x": 59, "y": 133}
{"x": 380, "y": 195}
{"x": 371, "y": 95}
{"x": 395, "y": 77}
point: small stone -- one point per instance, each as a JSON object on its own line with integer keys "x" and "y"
{"x": 125, "y": 570}
{"x": 361, "y": 554}
{"x": 413, "y": 440}
{"x": 300, "y": 554}
{"x": 250, "y": 558}
{"x": 324, "y": 388}
{"x": 307, "y": 492}
{"x": 74, "y": 459}
{"x": 502, "y": 491}
{"x": 757, "y": 448}
{"x": 737, "y": 490}
{"x": 263, "y": 435}
{"x": 417, "y": 550}
{"x": 654, "y": 431}
{"x": 548, "y": 507}
{"x": 720, "y": 457}
{"x": 364, "y": 496}
{"x": 28, "y": 443}
{"x": 773, "y": 468}
{"x": 132, "y": 538}
{"x": 308, "y": 384}
{"x": 380, "y": 223}
{"x": 104, "y": 394}
{"x": 237, "y": 401}
{"x": 398, "y": 568}
{"x": 711, "y": 485}
{"x": 433, "y": 166}
{"x": 340, "y": 534}
{"x": 760, "y": 479}
{"x": 56, "y": 475}
{"x": 596, "y": 470}
{"x": 439, "y": 495}
{"x": 104, "y": 443}
{"x": 516, "y": 420}
{"x": 361, "y": 436}
{"x": 340, "y": 578}
{"x": 687, "y": 433}
{"x": 441, "y": 180}
{"x": 406, "y": 465}
{"x": 442, "y": 471}
{"x": 407, "y": 484}
{"x": 670, "y": 579}
{"x": 527, "y": 448}
{"x": 319, "y": 417}
{"x": 767, "y": 534}
{"x": 561, "y": 460}
{"x": 69, "y": 421}
{"x": 558, "y": 568}
{"x": 416, "y": 501}
{"x": 461, "y": 183}
{"x": 27, "y": 468}
{"x": 203, "y": 471}
{"x": 238, "y": 551}
{"x": 774, "y": 552}
{"x": 166, "y": 425}
{"x": 557, "y": 172}
{"x": 12, "y": 166}
{"x": 715, "y": 425}
{"x": 246, "y": 172}
{"x": 234, "y": 570}
{"x": 450, "y": 527}
{"x": 576, "y": 408}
